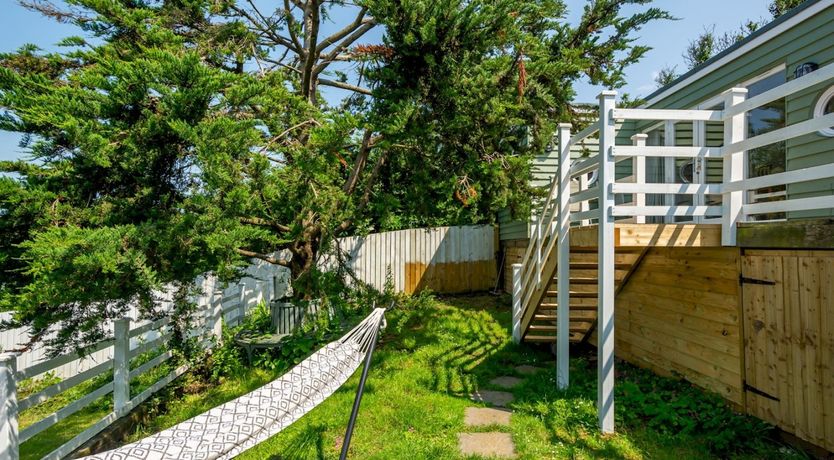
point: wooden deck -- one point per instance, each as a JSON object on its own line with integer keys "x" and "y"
{"x": 651, "y": 235}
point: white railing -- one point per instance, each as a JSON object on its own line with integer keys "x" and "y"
{"x": 129, "y": 341}
{"x": 551, "y": 237}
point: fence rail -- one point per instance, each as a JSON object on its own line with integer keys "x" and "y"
{"x": 739, "y": 201}
{"x": 129, "y": 340}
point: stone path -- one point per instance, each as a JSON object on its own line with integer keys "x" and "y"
{"x": 497, "y": 443}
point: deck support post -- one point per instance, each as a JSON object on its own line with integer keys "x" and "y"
{"x": 734, "y": 167}
{"x": 639, "y": 165}
{"x": 605, "y": 298}
{"x": 563, "y": 264}
{"x": 121, "y": 365}
{"x": 9, "y": 434}
{"x": 517, "y": 311}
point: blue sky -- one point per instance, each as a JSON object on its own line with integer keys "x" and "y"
{"x": 668, "y": 38}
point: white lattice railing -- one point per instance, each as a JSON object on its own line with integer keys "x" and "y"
{"x": 550, "y": 239}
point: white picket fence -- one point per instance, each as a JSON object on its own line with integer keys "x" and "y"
{"x": 256, "y": 287}
{"x": 130, "y": 339}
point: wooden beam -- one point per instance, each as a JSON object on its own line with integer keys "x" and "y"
{"x": 797, "y": 234}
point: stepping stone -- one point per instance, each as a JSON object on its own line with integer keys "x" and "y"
{"x": 487, "y": 444}
{"x": 496, "y": 398}
{"x": 526, "y": 369}
{"x": 484, "y": 416}
{"x": 506, "y": 382}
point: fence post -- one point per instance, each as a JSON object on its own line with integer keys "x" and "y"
{"x": 241, "y": 303}
{"x": 9, "y": 435}
{"x": 517, "y": 312}
{"x": 605, "y": 296}
{"x": 121, "y": 365}
{"x": 217, "y": 310}
{"x": 734, "y": 167}
{"x": 563, "y": 264}
{"x": 639, "y": 165}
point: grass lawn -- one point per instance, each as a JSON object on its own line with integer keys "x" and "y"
{"x": 418, "y": 389}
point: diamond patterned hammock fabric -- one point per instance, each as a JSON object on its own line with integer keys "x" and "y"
{"x": 231, "y": 428}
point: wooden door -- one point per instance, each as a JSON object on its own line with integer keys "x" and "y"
{"x": 788, "y": 309}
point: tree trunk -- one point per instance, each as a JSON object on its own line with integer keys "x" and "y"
{"x": 303, "y": 262}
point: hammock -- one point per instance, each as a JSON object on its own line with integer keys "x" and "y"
{"x": 231, "y": 428}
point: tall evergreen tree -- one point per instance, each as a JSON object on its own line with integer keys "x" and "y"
{"x": 185, "y": 136}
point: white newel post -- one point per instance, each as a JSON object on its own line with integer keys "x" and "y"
{"x": 734, "y": 167}
{"x": 9, "y": 435}
{"x": 517, "y": 303}
{"x": 605, "y": 347}
{"x": 639, "y": 165}
{"x": 563, "y": 264}
{"x": 121, "y": 365}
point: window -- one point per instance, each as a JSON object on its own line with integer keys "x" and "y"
{"x": 769, "y": 159}
{"x": 825, "y": 105}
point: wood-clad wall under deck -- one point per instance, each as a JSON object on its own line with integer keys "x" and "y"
{"x": 679, "y": 314}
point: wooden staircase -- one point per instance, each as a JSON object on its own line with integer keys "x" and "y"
{"x": 583, "y": 295}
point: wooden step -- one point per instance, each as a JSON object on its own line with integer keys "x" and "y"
{"x": 549, "y": 328}
{"x": 595, "y": 266}
{"x": 578, "y": 295}
{"x": 573, "y": 319}
{"x": 574, "y": 338}
{"x": 579, "y": 280}
{"x": 595, "y": 250}
{"x": 553, "y": 306}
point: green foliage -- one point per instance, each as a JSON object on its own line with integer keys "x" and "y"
{"x": 779, "y": 7}
{"x": 665, "y": 76}
{"x": 709, "y": 43}
{"x": 418, "y": 389}
{"x": 677, "y": 408}
{"x": 157, "y": 151}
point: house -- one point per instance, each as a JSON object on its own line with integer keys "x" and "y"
{"x": 702, "y": 243}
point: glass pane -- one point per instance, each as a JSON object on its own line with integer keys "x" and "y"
{"x": 769, "y": 159}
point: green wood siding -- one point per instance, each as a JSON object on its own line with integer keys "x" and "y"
{"x": 808, "y": 41}
{"x": 509, "y": 229}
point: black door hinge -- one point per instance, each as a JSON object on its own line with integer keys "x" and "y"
{"x": 743, "y": 279}
{"x": 752, "y": 389}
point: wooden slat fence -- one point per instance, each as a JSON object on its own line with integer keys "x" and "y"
{"x": 443, "y": 259}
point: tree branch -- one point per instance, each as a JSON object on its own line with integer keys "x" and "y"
{"x": 257, "y": 221}
{"x": 264, "y": 26}
{"x": 342, "y": 33}
{"x": 366, "y": 197}
{"x": 347, "y": 86}
{"x": 361, "y": 159}
{"x": 265, "y": 257}
{"x": 312, "y": 21}
{"x": 291, "y": 25}
{"x": 337, "y": 50}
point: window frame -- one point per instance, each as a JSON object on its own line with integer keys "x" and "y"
{"x": 822, "y": 101}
